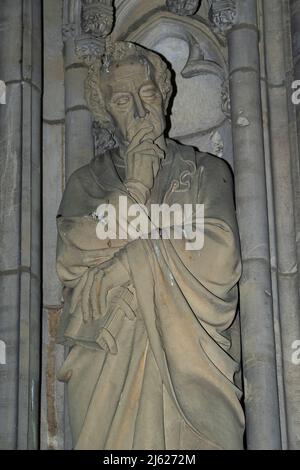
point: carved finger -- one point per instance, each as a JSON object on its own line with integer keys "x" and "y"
{"x": 76, "y": 296}
{"x": 148, "y": 146}
{"x": 85, "y": 299}
{"x": 104, "y": 289}
{"x": 139, "y": 137}
{"x": 95, "y": 295}
{"x": 146, "y": 154}
{"x": 155, "y": 166}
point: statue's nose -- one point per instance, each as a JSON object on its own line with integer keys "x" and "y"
{"x": 139, "y": 109}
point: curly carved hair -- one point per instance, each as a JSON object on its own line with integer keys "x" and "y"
{"x": 115, "y": 52}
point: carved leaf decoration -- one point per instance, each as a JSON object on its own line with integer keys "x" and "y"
{"x": 183, "y": 7}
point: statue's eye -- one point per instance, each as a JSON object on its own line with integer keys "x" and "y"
{"x": 122, "y": 101}
{"x": 148, "y": 93}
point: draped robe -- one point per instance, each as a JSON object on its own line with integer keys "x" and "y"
{"x": 166, "y": 377}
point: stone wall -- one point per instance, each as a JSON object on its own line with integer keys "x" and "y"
{"x": 20, "y": 228}
{"x": 234, "y": 64}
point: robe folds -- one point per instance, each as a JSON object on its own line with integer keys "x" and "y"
{"x": 166, "y": 375}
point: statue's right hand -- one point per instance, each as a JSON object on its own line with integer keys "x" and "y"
{"x": 91, "y": 295}
{"x": 143, "y": 158}
{"x": 84, "y": 295}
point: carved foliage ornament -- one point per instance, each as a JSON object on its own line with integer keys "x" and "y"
{"x": 68, "y": 30}
{"x": 222, "y": 15}
{"x": 90, "y": 49}
{"x": 96, "y": 18}
{"x": 88, "y": 22}
{"x": 183, "y": 7}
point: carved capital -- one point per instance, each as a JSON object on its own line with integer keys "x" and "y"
{"x": 183, "y": 7}
{"x": 97, "y": 18}
{"x": 90, "y": 49}
{"x": 88, "y": 22}
{"x": 222, "y": 15}
{"x": 69, "y": 31}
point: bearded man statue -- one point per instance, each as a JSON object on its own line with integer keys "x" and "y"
{"x": 151, "y": 324}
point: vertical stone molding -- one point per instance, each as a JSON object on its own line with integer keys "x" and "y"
{"x": 20, "y": 227}
{"x": 71, "y": 18}
{"x": 2, "y": 92}
{"x": 295, "y": 39}
{"x": 78, "y": 141}
{"x": 256, "y": 306}
{"x": 53, "y": 431}
{"x": 278, "y": 63}
{"x": 2, "y": 353}
{"x": 86, "y": 24}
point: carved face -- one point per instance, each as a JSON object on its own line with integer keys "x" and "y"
{"x": 133, "y": 99}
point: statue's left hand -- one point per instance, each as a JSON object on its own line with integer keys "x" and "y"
{"x": 92, "y": 292}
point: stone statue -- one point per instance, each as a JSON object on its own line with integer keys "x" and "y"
{"x": 154, "y": 358}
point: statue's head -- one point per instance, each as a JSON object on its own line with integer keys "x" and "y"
{"x": 129, "y": 90}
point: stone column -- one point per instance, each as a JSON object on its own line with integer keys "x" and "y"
{"x": 86, "y": 24}
{"x": 54, "y": 428}
{"x": 278, "y": 66}
{"x": 78, "y": 130}
{"x": 295, "y": 30}
{"x": 294, "y": 11}
{"x": 78, "y": 136}
{"x": 20, "y": 228}
{"x": 256, "y": 307}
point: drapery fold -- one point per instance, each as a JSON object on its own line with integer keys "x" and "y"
{"x": 173, "y": 382}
